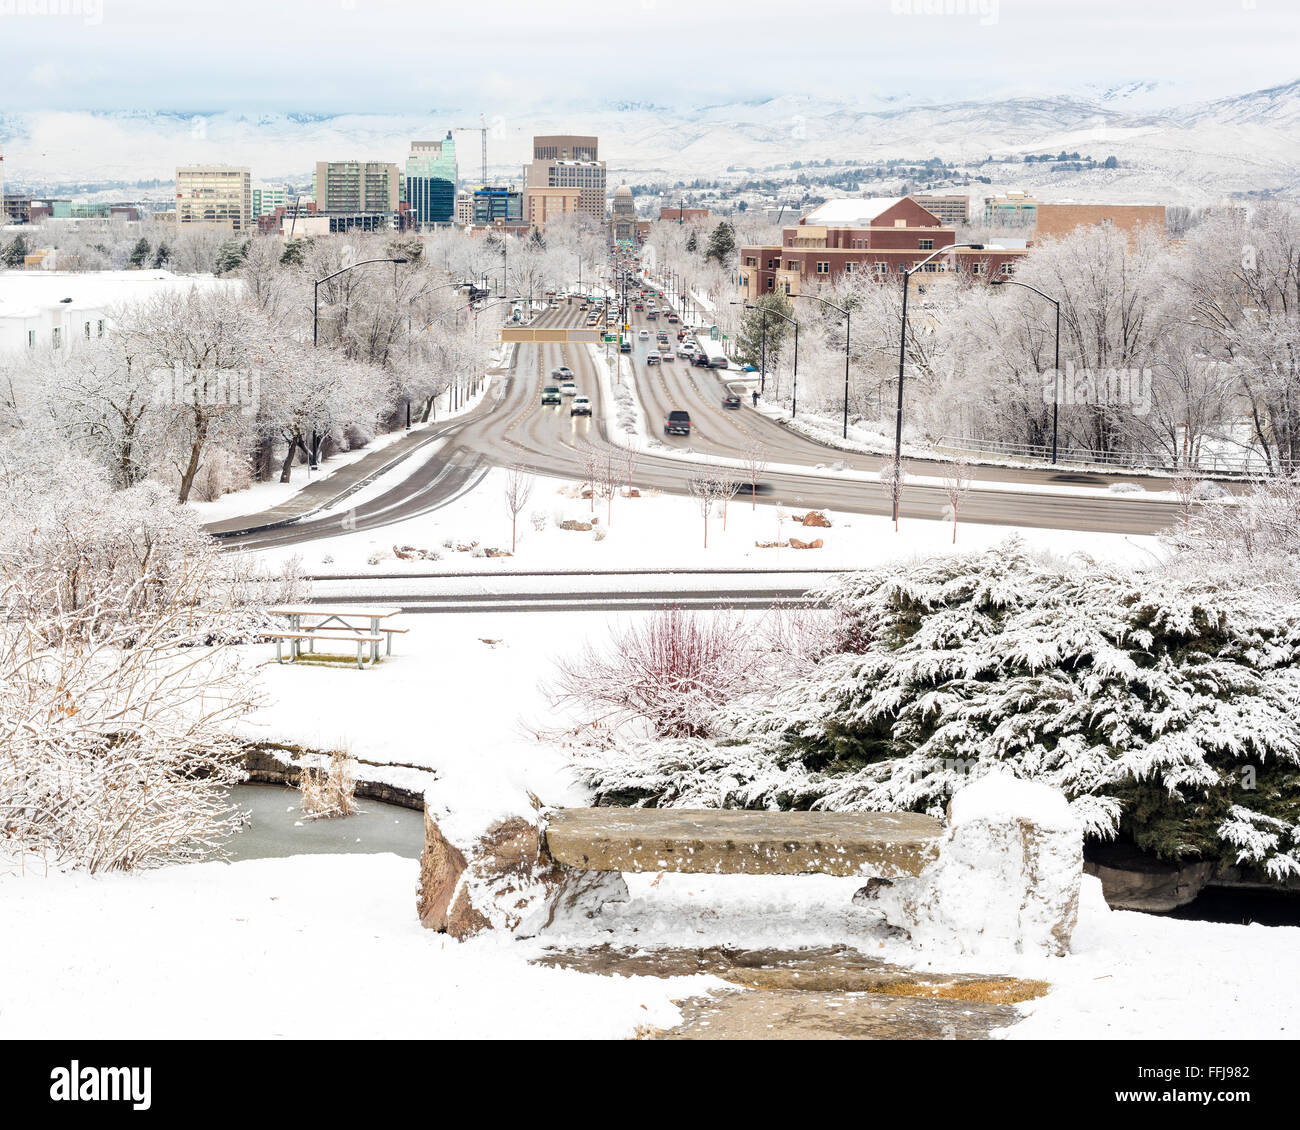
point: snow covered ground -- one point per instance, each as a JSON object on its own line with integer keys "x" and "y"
{"x": 462, "y": 698}
{"x": 664, "y": 531}
{"x": 310, "y": 947}
{"x": 281, "y": 942}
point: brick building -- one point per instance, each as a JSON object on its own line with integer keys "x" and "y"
{"x": 882, "y": 237}
{"x": 684, "y": 215}
{"x": 1056, "y": 220}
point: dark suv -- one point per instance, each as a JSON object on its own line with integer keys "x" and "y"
{"x": 678, "y": 423}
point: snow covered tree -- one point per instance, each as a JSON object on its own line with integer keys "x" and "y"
{"x": 722, "y": 243}
{"x": 1165, "y": 704}
{"x": 139, "y": 253}
{"x": 117, "y": 696}
{"x": 518, "y": 490}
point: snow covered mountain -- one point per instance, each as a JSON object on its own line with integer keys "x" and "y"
{"x": 1188, "y": 150}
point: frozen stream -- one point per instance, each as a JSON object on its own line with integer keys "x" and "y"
{"x": 277, "y": 828}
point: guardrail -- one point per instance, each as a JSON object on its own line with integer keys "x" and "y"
{"x": 1215, "y": 463}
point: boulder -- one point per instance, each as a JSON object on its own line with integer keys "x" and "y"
{"x": 504, "y": 879}
{"x": 574, "y": 524}
{"x": 1134, "y": 880}
{"x": 413, "y": 553}
{"x": 1007, "y": 877}
{"x": 795, "y": 543}
{"x": 815, "y": 518}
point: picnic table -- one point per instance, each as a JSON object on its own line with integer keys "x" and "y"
{"x": 361, "y": 625}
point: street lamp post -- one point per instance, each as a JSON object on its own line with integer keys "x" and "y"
{"x": 794, "y": 396}
{"x": 315, "y": 328}
{"x": 315, "y": 293}
{"x": 443, "y": 286}
{"x": 902, "y": 357}
{"x": 848, "y": 324}
{"x": 1056, "y": 379}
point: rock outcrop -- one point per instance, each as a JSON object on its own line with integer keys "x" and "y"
{"x": 1007, "y": 877}
{"x": 503, "y": 878}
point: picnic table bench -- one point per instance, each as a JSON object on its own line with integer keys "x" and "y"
{"x": 309, "y": 623}
{"x": 743, "y": 842}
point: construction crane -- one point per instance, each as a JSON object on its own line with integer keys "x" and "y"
{"x": 483, "y": 129}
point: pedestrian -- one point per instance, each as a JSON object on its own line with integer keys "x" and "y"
{"x": 755, "y": 398}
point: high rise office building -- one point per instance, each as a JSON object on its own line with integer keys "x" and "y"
{"x": 356, "y": 187}
{"x": 431, "y": 180}
{"x": 215, "y": 195}
{"x": 568, "y": 161}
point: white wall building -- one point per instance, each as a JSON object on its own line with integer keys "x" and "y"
{"x": 50, "y": 310}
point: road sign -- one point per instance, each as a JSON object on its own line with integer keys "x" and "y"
{"x": 713, "y": 333}
{"x": 610, "y": 337}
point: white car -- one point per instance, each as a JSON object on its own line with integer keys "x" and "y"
{"x": 685, "y": 350}
{"x": 568, "y": 388}
{"x": 666, "y": 355}
{"x": 644, "y": 333}
{"x": 581, "y": 406}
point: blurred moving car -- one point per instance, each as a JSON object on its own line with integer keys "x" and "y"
{"x": 581, "y": 406}
{"x": 731, "y": 400}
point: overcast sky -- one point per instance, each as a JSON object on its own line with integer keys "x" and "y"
{"x": 330, "y": 56}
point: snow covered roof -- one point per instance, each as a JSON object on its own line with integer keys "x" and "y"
{"x": 843, "y": 213}
{"x": 94, "y": 289}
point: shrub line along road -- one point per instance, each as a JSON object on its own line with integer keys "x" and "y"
{"x": 510, "y": 426}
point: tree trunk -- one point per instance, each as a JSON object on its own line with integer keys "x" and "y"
{"x": 286, "y": 468}
{"x": 196, "y": 452}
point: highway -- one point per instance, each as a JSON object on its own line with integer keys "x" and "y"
{"x": 510, "y": 426}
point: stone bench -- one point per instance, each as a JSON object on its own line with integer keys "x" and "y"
{"x": 743, "y": 842}
{"x": 1001, "y": 875}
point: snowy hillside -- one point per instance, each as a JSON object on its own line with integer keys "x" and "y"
{"x": 1188, "y": 151}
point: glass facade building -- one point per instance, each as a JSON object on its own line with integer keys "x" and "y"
{"x": 431, "y": 180}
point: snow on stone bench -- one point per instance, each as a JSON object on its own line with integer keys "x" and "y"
{"x": 1000, "y": 877}
{"x": 741, "y": 842}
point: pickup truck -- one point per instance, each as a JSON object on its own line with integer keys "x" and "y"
{"x": 678, "y": 423}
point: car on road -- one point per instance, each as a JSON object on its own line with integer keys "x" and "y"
{"x": 652, "y": 358}
{"x": 731, "y": 400}
{"x": 685, "y": 351}
{"x": 673, "y": 319}
{"x": 625, "y": 346}
{"x": 551, "y": 394}
{"x": 563, "y": 372}
{"x": 666, "y": 356}
{"x": 678, "y": 423}
{"x": 581, "y": 406}
{"x": 651, "y": 315}
{"x": 718, "y": 362}
{"x": 568, "y": 389}
{"x": 644, "y": 333}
